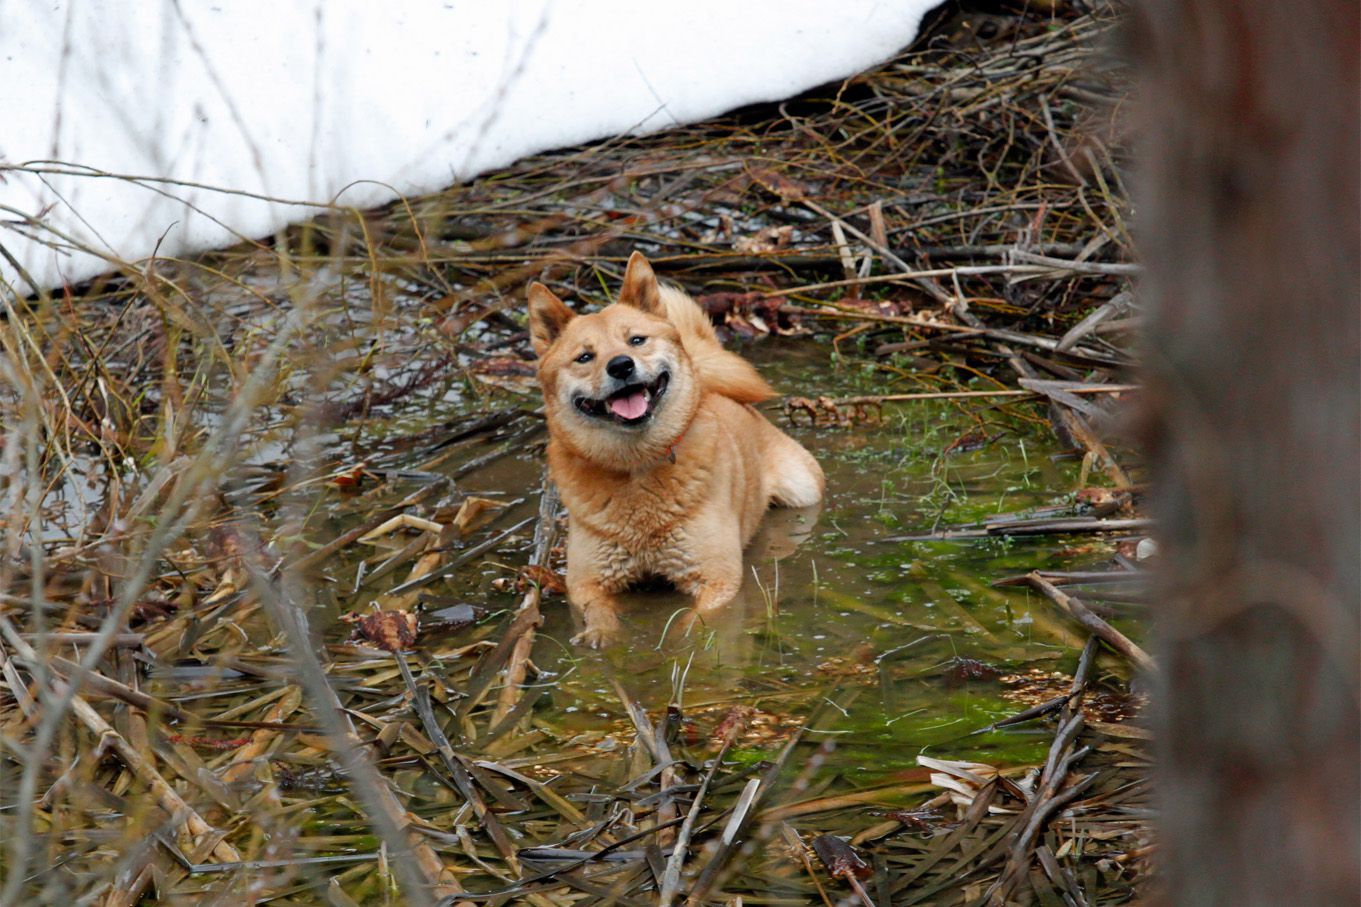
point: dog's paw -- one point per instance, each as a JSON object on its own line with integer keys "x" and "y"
{"x": 599, "y": 632}
{"x": 595, "y": 637}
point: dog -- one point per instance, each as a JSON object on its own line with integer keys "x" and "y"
{"x": 665, "y": 467}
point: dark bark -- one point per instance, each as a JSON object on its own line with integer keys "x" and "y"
{"x": 1251, "y": 232}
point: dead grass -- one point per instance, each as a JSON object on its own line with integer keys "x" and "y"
{"x": 181, "y": 721}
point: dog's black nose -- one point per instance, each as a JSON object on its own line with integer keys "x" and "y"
{"x": 619, "y": 367}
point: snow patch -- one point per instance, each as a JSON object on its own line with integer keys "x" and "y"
{"x": 211, "y": 106}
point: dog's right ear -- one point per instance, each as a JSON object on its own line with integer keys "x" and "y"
{"x": 548, "y": 315}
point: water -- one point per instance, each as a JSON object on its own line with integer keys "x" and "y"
{"x": 904, "y": 647}
{"x": 873, "y": 629}
{"x": 877, "y": 647}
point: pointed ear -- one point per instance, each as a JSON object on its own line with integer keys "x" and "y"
{"x": 548, "y": 315}
{"x": 640, "y": 288}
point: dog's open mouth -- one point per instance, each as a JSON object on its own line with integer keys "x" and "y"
{"x": 630, "y": 405}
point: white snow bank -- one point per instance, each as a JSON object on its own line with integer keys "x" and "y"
{"x": 355, "y": 102}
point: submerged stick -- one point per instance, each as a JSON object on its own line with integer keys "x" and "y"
{"x": 545, "y": 534}
{"x": 663, "y": 764}
{"x": 1037, "y": 527}
{"x": 1048, "y": 798}
{"x": 964, "y": 395}
{"x": 1085, "y": 616}
{"x": 674, "y": 865}
{"x": 476, "y": 551}
{"x": 456, "y": 765}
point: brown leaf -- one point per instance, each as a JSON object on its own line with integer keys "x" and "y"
{"x": 152, "y": 609}
{"x": 475, "y": 511}
{"x": 750, "y": 314}
{"x": 1103, "y": 501}
{"x": 350, "y": 479}
{"x": 921, "y": 820}
{"x": 391, "y": 631}
{"x": 549, "y": 581}
{"x": 504, "y": 365}
{"x": 890, "y": 307}
{"x": 732, "y": 723}
{"x": 969, "y": 441}
{"x": 777, "y": 183}
{"x": 767, "y": 239}
{"x": 962, "y": 670}
{"x": 826, "y": 411}
{"x": 840, "y": 858}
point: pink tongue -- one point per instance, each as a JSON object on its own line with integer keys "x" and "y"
{"x": 630, "y": 407}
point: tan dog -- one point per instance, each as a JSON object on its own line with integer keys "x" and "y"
{"x": 663, "y": 464}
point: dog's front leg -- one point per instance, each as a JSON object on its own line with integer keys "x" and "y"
{"x": 597, "y": 610}
{"x": 716, "y": 575}
{"x": 596, "y": 571}
{"x": 715, "y": 593}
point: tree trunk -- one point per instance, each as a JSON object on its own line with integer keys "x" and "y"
{"x": 1253, "y": 242}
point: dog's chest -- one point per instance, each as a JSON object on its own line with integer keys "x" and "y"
{"x": 637, "y": 516}
{"x": 646, "y": 516}
{"x": 668, "y": 557}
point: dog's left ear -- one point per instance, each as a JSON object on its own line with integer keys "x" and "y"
{"x": 548, "y": 315}
{"x": 640, "y": 288}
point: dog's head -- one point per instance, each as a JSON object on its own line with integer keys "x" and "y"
{"x": 617, "y": 384}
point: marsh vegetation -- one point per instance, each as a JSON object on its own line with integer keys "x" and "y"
{"x": 282, "y": 615}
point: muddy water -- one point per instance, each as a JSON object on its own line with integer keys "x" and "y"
{"x": 836, "y": 613}
{"x": 902, "y": 647}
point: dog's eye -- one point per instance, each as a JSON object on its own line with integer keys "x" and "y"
{"x": 637, "y": 340}
{"x": 585, "y": 357}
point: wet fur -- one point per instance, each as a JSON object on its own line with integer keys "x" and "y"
{"x": 634, "y": 512}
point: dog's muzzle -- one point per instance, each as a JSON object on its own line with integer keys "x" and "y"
{"x": 632, "y": 404}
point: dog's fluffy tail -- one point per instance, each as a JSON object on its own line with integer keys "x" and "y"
{"x": 719, "y": 371}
